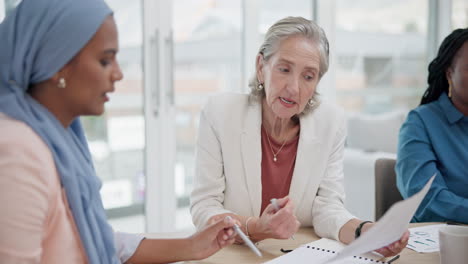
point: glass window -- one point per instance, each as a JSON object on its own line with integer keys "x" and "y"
{"x": 274, "y": 10}
{"x": 116, "y": 139}
{"x": 207, "y": 54}
{"x": 6, "y": 6}
{"x": 2, "y": 11}
{"x": 460, "y": 14}
{"x": 380, "y": 54}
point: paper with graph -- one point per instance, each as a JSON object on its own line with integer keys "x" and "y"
{"x": 425, "y": 239}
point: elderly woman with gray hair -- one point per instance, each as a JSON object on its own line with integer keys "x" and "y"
{"x": 278, "y": 142}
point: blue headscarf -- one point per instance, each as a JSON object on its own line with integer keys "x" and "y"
{"x": 37, "y": 39}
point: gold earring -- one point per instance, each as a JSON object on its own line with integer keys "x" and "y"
{"x": 450, "y": 89}
{"x": 62, "y": 84}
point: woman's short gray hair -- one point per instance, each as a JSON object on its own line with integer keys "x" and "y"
{"x": 288, "y": 27}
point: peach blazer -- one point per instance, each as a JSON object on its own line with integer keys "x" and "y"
{"x": 36, "y": 224}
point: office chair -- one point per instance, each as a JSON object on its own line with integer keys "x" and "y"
{"x": 386, "y": 192}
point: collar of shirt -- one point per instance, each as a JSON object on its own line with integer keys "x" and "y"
{"x": 452, "y": 113}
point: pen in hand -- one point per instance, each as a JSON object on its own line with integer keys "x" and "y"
{"x": 247, "y": 241}
{"x": 274, "y": 202}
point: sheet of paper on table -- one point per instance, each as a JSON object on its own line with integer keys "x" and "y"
{"x": 338, "y": 246}
{"x": 425, "y": 239}
{"x": 321, "y": 250}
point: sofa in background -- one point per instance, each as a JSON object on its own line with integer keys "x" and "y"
{"x": 370, "y": 137}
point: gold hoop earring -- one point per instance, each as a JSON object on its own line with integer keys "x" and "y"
{"x": 450, "y": 89}
{"x": 62, "y": 84}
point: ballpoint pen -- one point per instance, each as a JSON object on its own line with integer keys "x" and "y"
{"x": 393, "y": 259}
{"x": 274, "y": 202}
{"x": 453, "y": 223}
{"x": 247, "y": 241}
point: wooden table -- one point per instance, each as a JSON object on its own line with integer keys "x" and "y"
{"x": 270, "y": 248}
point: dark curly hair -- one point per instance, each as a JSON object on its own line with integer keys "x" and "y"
{"x": 437, "y": 80}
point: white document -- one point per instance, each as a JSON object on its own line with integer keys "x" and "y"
{"x": 312, "y": 253}
{"x": 425, "y": 239}
{"x": 337, "y": 246}
{"x": 328, "y": 244}
{"x": 388, "y": 229}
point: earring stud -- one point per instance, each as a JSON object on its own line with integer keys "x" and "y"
{"x": 260, "y": 87}
{"x": 311, "y": 103}
{"x": 62, "y": 84}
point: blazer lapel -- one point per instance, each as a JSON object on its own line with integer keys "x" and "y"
{"x": 252, "y": 156}
{"x": 308, "y": 153}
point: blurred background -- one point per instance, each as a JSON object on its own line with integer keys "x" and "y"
{"x": 175, "y": 54}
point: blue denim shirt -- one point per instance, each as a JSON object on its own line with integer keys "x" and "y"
{"x": 434, "y": 139}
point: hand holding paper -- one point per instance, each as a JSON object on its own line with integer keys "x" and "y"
{"x": 388, "y": 229}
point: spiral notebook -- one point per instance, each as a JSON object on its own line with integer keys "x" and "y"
{"x": 308, "y": 254}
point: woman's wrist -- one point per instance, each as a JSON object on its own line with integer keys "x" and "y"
{"x": 348, "y": 231}
{"x": 362, "y": 227}
{"x": 255, "y": 231}
{"x": 192, "y": 252}
{"x": 247, "y": 222}
{"x": 366, "y": 227}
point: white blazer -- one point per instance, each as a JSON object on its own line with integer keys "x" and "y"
{"x": 228, "y": 164}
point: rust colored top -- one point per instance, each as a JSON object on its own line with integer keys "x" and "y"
{"x": 276, "y": 175}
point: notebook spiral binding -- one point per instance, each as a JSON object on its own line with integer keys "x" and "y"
{"x": 356, "y": 257}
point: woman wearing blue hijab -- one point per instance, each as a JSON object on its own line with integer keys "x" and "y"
{"x": 58, "y": 62}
